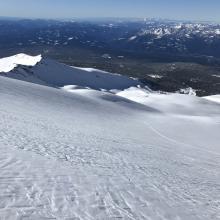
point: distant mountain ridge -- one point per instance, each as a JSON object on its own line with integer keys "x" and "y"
{"x": 147, "y": 36}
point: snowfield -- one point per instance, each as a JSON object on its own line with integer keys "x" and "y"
{"x": 79, "y": 153}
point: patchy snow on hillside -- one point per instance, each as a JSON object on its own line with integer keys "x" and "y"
{"x": 9, "y": 63}
{"x": 132, "y": 38}
{"x": 216, "y": 76}
{"x": 155, "y": 76}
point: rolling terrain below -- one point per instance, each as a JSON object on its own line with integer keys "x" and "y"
{"x": 165, "y": 55}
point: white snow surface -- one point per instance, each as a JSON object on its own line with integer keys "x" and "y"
{"x": 132, "y": 38}
{"x": 213, "y": 98}
{"x": 80, "y": 153}
{"x": 172, "y": 103}
{"x": 95, "y": 155}
{"x": 9, "y": 63}
{"x": 135, "y": 94}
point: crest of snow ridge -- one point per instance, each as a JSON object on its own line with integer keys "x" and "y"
{"x": 9, "y": 63}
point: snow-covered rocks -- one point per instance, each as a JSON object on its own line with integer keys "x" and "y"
{"x": 187, "y": 91}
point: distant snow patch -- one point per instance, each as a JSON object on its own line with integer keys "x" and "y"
{"x": 106, "y": 56}
{"x": 217, "y": 31}
{"x": 132, "y": 38}
{"x": 218, "y": 76}
{"x": 155, "y": 76}
{"x": 89, "y": 69}
{"x": 71, "y": 88}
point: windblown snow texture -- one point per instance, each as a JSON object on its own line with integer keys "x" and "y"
{"x": 89, "y": 154}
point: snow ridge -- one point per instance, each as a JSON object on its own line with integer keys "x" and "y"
{"x": 55, "y": 74}
{"x": 9, "y": 63}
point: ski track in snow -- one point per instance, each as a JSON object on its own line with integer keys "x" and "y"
{"x": 71, "y": 156}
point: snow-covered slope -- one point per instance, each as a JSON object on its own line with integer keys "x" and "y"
{"x": 50, "y": 72}
{"x": 213, "y": 98}
{"x": 172, "y": 103}
{"x": 94, "y": 155}
{"x": 114, "y": 150}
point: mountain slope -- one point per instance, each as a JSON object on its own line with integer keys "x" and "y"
{"x": 94, "y": 155}
{"x": 172, "y": 103}
{"x": 50, "y": 72}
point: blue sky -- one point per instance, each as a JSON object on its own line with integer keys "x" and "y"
{"x": 173, "y": 9}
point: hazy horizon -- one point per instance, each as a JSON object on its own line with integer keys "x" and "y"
{"x": 104, "y": 18}
{"x": 198, "y": 10}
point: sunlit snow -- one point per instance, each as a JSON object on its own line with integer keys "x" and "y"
{"x": 82, "y": 153}
{"x": 9, "y": 63}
